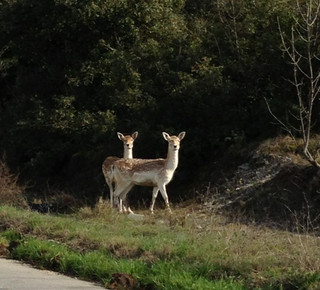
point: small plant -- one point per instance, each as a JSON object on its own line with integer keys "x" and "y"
{"x": 10, "y": 192}
{"x": 102, "y": 209}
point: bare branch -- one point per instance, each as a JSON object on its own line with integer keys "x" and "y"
{"x": 284, "y": 126}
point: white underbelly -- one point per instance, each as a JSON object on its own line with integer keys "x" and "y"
{"x": 152, "y": 179}
{"x": 145, "y": 179}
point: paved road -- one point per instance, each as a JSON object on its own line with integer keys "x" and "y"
{"x": 18, "y": 276}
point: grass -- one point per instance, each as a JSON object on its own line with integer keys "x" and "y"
{"x": 188, "y": 250}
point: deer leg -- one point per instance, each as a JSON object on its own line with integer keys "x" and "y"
{"x": 154, "y": 196}
{"x": 125, "y": 200}
{"x": 164, "y": 194}
{"x": 126, "y": 207}
{"x": 109, "y": 183}
{"x": 120, "y": 194}
{"x": 117, "y": 199}
{"x": 123, "y": 196}
{"x": 111, "y": 195}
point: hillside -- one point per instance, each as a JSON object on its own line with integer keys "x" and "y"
{"x": 272, "y": 184}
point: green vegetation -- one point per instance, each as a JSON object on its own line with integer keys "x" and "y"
{"x": 73, "y": 73}
{"x": 185, "y": 251}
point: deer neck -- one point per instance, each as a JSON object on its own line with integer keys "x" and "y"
{"x": 127, "y": 154}
{"x": 172, "y": 160}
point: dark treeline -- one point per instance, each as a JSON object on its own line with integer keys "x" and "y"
{"x": 74, "y": 72}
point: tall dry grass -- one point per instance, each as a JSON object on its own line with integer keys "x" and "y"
{"x": 11, "y": 193}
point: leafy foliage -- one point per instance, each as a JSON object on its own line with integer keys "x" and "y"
{"x": 73, "y": 73}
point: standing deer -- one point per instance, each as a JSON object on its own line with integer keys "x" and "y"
{"x": 148, "y": 172}
{"x": 107, "y": 166}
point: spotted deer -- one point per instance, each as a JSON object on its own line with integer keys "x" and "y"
{"x": 107, "y": 166}
{"x": 156, "y": 173}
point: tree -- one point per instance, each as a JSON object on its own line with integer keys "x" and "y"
{"x": 303, "y": 49}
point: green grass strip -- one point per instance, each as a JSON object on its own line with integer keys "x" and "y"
{"x": 93, "y": 245}
{"x": 97, "y": 266}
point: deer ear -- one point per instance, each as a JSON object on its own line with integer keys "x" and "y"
{"x": 120, "y": 136}
{"x": 166, "y": 136}
{"x": 181, "y": 135}
{"x": 134, "y": 135}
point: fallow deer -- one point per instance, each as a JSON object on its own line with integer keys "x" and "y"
{"x": 107, "y": 166}
{"x": 156, "y": 173}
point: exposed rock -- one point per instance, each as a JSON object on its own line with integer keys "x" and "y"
{"x": 136, "y": 217}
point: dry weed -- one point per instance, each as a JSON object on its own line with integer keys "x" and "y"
{"x": 102, "y": 209}
{"x": 10, "y": 192}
